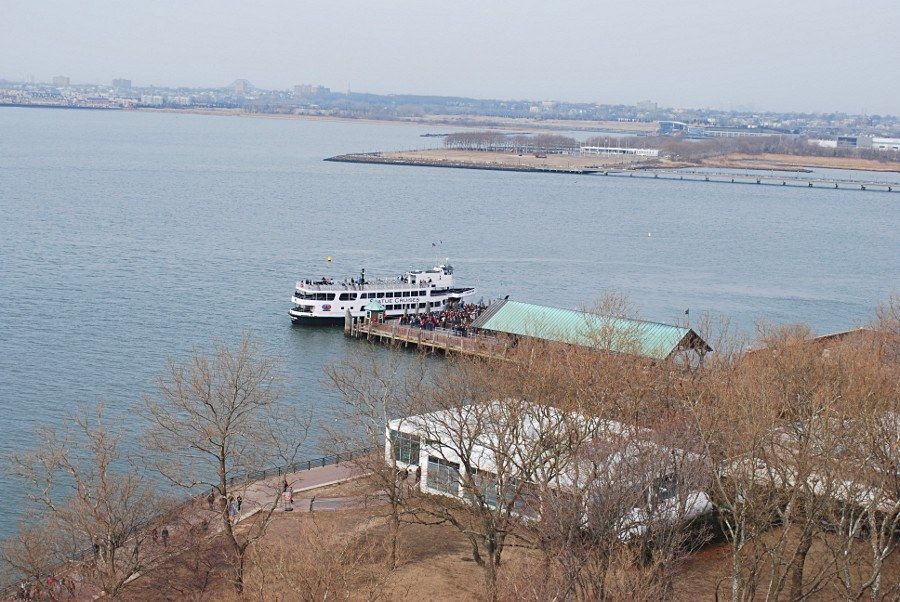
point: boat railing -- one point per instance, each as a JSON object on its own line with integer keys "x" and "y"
{"x": 368, "y": 286}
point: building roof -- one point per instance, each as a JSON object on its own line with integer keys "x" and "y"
{"x": 620, "y": 335}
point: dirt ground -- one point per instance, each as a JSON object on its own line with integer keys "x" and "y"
{"x": 526, "y": 161}
{"x": 463, "y": 158}
{"x": 342, "y": 554}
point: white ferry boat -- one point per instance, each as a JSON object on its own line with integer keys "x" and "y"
{"x": 419, "y": 291}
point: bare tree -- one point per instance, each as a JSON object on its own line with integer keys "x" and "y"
{"x": 620, "y": 524}
{"x": 93, "y": 500}
{"x": 218, "y": 417}
{"x": 321, "y": 561}
{"x": 376, "y": 391}
{"x": 487, "y": 452}
{"x": 33, "y": 553}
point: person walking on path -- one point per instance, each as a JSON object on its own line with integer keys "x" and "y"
{"x": 240, "y": 500}
{"x": 165, "y": 536}
{"x": 418, "y": 473}
{"x": 210, "y": 499}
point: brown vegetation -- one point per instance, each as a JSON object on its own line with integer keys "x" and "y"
{"x": 602, "y": 467}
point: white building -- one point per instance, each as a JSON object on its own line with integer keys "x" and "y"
{"x": 892, "y": 144}
{"x": 513, "y": 434}
{"x": 607, "y": 151}
{"x": 824, "y": 143}
{"x": 153, "y": 100}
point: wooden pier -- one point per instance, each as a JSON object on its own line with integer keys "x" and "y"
{"x": 392, "y": 333}
{"x": 770, "y": 179}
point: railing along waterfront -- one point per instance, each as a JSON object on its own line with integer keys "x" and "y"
{"x": 300, "y": 466}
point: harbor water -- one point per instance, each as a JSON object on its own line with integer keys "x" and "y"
{"x": 127, "y": 238}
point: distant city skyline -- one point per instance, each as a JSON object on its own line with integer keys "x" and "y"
{"x": 804, "y": 56}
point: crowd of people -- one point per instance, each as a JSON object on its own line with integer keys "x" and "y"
{"x": 458, "y": 317}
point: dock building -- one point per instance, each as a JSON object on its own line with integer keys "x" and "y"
{"x": 652, "y": 340}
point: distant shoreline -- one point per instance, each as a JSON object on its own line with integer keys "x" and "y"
{"x": 514, "y": 124}
{"x": 508, "y": 162}
{"x": 525, "y": 162}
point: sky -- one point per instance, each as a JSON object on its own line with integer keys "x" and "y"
{"x": 784, "y": 55}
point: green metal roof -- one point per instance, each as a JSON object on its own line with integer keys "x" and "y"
{"x": 374, "y": 305}
{"x": 620, "y": 335}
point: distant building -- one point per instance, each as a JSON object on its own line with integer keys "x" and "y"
{"x": 891, "y": 144}
{"x": 670, "y": 128}
{"x": 824, "y": 143}
{"x": 241, "y": 87}
{"x": 608, "y": 151}
{"x": 302, "y": 90}
{"x": 122, "y": 85}
{"x": 151, "y": 100}
{"x": 726, "y": 132}
{"x": 847, "y": 141}
{"x": 60, "y": 81}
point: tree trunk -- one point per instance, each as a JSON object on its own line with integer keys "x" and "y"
{"x": 395, "y": 534}
{"x": 490, "y": 577}
{"x": 797, "y": 567}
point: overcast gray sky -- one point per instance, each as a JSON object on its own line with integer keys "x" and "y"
{"x": 803, "y": 55}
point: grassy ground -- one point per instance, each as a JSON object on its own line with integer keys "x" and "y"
{"x": 772, "y": 161}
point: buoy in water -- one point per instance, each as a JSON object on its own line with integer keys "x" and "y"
{"x": 648, "y": 235}
{"x": 328, "y": 259}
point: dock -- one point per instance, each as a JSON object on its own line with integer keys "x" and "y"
{"x": 393, "y": 334}
{"x": 796, "y": 181}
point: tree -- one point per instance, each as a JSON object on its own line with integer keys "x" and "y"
{"x": 787, "y": 428}
{"x": 92, "y": 498}
{"x": 320, "y": 561}
{"x": 376, "y": 392}
{"x": 620, "y": 524}
{"x": 492, "y": 440}
{"x": 216, "y": 418}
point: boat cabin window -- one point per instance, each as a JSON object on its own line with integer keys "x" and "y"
{"x": 380, "y": 295}
{"x": 324, "y": 296}
{"x": 348, "y": 297}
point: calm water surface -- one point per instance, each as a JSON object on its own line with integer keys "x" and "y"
{"x": 126, "y": 238}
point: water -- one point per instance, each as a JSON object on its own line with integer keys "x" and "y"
{"x": 126, "y": 238}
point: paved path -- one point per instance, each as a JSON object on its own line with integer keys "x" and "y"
{"x": 259, "y": 495}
